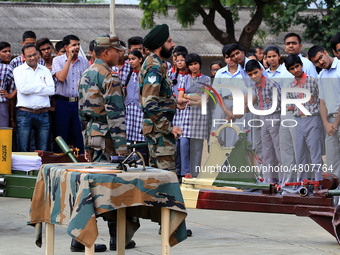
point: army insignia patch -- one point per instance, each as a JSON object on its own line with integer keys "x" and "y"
{"x": 152, "y": 79}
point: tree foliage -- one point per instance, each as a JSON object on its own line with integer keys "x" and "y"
{"x": 187, "y": 12}
{"x": 279, "y": 15}
{"x": 57, "y": 1}
{"x": 320, "y": 23}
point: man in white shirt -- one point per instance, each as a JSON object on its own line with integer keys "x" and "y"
{"x": 34, "y": 85}
{"x": 293, "y": 45}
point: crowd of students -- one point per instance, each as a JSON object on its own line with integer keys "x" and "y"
{"x": 297, "y": 144}
{"x": 290, "y": 141}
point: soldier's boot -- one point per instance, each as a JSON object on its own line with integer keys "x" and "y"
{"x": 113, "y": 237}
{"x": 79, "y": 247}
{"x": 189, "y": 231}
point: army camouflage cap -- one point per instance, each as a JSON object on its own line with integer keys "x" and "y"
{"x": 109, "y": 41}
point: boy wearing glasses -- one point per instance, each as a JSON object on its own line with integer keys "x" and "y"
{"x": 329, "y": 86}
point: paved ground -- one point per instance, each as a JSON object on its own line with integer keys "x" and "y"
{"x": 215, "y": 232}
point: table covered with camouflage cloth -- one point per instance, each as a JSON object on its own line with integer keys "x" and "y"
{"x": 75, "y": 199}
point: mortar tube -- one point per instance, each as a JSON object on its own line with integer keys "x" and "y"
{"x": 64, "y": 147}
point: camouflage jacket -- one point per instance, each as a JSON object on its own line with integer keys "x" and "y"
{"x": 101, "y": 105}
{"x": 156, "y": 96}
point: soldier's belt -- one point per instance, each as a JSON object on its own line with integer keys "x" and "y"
{"x": 68, "y": 99}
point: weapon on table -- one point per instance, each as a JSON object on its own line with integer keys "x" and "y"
{"x": 132, "y": 159}
{"x": 64, "y": 147}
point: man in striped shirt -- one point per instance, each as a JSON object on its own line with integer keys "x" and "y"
{"x": 67, "y": 69}
{"x": 6, "y": 92}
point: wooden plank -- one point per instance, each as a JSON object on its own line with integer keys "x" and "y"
{"x": 89, "y": 251}
{"x": 121, "y": 227}
{"x": 49, "y": 239}
{"x": 165, "y": 225}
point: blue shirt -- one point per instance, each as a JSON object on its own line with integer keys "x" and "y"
{"x": 69, "y": 88}
{"x": 308, "y": 67}
{"x": 132, "y": 90}
{"x": 329, "y": 86}
{"x": 225, "y": 77}
{"x": 281, "y": 76}
{"x": 179, "y": 79}
{"x": 193, "y": 84}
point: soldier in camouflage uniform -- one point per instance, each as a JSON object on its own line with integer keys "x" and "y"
{"x": 102, "y": 115}
{"x": 101, "y": 106}
{"x": 157, "y": 100}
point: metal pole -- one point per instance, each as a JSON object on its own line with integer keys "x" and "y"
{"x": 112, "y": 17}
{"x": 333, "y": 192}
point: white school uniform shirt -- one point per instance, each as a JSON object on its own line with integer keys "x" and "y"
{"x": 33, "y": 86}
{"x": 223, "y": 76}
{"x": 329, "y": 86}
{"x": 308, "y": 67}
{"x": 281, "y": 76}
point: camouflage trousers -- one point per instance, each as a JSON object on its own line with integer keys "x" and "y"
{"x": 101, "y": 148}
{"x": 162, "y": 149}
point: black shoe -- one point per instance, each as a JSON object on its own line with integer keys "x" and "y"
{"x": 79, "y": 247}
{"x": 189, "y": 232}
{"x": 130, "y": 245}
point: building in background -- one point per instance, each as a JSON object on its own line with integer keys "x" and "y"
{"x": 55, "y": 20}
